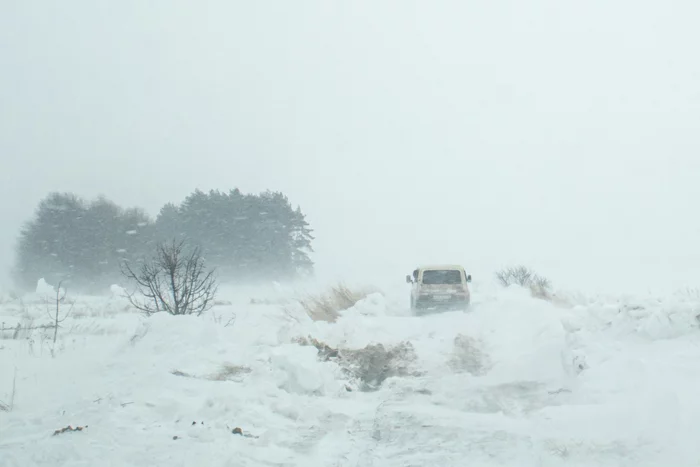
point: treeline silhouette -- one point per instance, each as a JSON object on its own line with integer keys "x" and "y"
{"x": 245, "y": 237}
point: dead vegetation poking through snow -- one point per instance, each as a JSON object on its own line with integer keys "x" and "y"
{"x": 69, "y": 428}
{"x": 22, "y": 330}
{"x": 540, "y": 287}
{"x": 327, "y": 307}
{"x": 370, "y": 366}
{"x": 9, "y": 406}
{"x": 227, "y": 372}
{"x": 23, "y": 327}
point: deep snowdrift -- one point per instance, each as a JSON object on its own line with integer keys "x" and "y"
{"x": 516, "y": 381}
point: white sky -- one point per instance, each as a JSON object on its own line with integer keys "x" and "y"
{"x": 562, "y": 134}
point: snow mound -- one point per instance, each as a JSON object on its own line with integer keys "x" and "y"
{"x": 117, "y": 291}
{"x": 513, "y": 381}
{"x": 372, "y": 305}
{"x": 297, "y": 369}
{"x": 44, "y": 289}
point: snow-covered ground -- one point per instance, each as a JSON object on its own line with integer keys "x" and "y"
{"x": 514, "y": 382}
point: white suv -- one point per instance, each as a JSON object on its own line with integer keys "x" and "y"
{"x": 442, "y": 287}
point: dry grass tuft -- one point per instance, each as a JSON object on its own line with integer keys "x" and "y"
{"x": 327, "y": 307}
{"x": 229, "y": 372}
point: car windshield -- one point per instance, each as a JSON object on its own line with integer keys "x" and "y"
{"x": 450, "y": 276}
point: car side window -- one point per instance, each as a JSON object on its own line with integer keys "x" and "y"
{"x": 415, "y": 274}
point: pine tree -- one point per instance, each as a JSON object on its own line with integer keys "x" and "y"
{"x": 48, "y": 246}
{"x": 244, "y": 236}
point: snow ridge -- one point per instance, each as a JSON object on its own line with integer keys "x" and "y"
{"x": 516, "y": 381}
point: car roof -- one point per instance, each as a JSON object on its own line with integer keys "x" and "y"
{"x": 441, "y": 267}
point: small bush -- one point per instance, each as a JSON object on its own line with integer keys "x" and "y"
{"x": 327, "y": 307}
{"x": 176, "y": 280}
{"x": 540, "y": 287}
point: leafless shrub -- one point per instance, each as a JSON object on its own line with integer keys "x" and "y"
{"x": 540, "y": 287}
{"x": 55, "y": 314}
{"x": 174, "y": 281}
{"x": 519, "y": 275}
{"x": 327, "y": 307}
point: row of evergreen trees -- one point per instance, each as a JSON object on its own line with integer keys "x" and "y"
{"x": 246, "y": 237}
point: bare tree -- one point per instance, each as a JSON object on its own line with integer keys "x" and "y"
{"x": 55, "y": 314}
{"x": 175, "y": 280}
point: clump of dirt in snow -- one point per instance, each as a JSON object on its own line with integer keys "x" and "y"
{"x": 467, "y": 356}
{"x": 370, "y": 366}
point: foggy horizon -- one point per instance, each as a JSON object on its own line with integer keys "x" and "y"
{"x": 558, "y": 136}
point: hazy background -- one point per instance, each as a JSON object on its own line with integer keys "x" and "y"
{"x": 560, "y": 134}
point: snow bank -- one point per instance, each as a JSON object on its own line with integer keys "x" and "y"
{"x": 297, "y": 370}
{"x": 514, "y": 381}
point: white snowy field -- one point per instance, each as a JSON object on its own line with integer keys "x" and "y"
{"x": 514, "y": 382}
